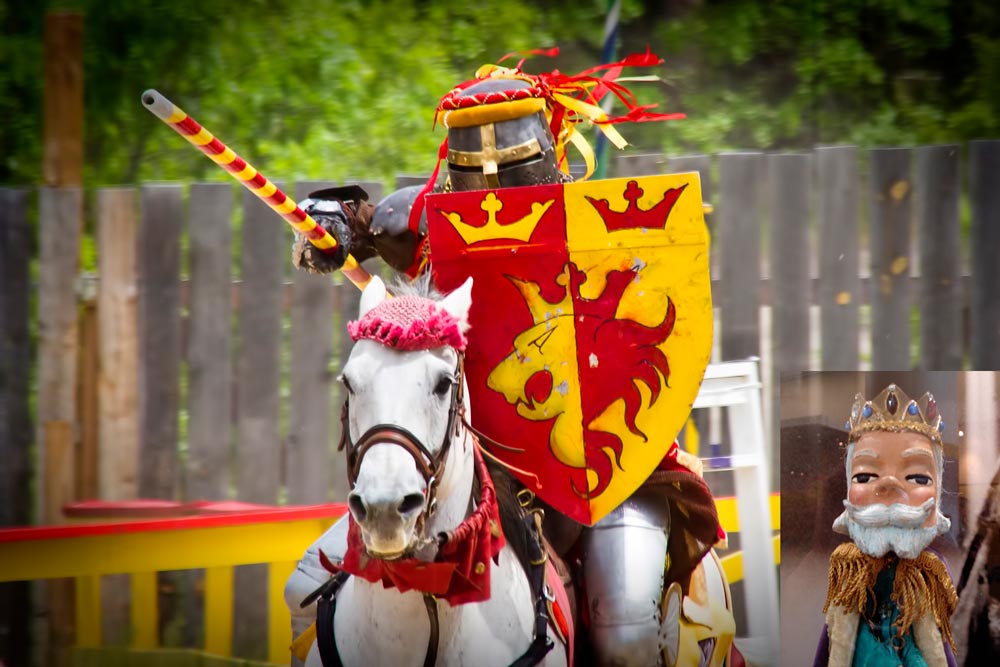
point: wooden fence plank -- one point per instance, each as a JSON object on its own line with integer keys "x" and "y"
{"x": 60, "y": 217}
{"x": 406, "y": 180}
{"x": 15, "y": 418}
{"x": 738, "y": 242}
{"x": 936, "y": 189}
{"x": 308, "y": 462}
{"x": 699, "y": 163}
{"x": 118, "y": 380}
{"x": 639, "y": 165}
{"x": 373, "y": 188}
{"x": 258, "y": 450}
{"x": 15, "y": 357}
{"x": 209, "y": 383}
{"x": 159, "y": 267}
{"x": 703, "y": 165}
{"x": 984, "y": 186}
{"x": 347, "y": 302}
{"x": 889, "y": 221}
{"x": 788, "y": 194}
{"x": 118, "y": 427}
{"x": 839, "y": 256}
{"x": 258, "y": 443}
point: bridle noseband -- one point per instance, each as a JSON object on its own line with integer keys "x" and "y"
{"x": 430, "y": 466}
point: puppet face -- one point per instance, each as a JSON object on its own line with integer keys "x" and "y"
{"x": 894, "y": 468}
{"x": 892, "y": 494}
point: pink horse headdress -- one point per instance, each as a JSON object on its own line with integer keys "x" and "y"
{"x": 409, "y": 323}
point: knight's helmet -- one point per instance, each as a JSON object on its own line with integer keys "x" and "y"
{"x": 498, "y": 136}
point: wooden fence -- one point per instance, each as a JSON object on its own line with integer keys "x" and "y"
{"x": 202, "y": 366}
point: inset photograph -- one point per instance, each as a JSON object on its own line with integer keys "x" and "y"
{"x": 889, "y": 511}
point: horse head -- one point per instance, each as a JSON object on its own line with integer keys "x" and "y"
{"x": 406, "y": 397}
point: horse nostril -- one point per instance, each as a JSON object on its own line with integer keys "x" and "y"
{"x": 411, "y": 503}
{"x": 357, "y": 506}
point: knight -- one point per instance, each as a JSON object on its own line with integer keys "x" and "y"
{"x": 641, "y": 564}
{"x": 890, "y": 596}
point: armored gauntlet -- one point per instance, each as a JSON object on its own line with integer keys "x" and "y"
{"x": 344, "y": 213}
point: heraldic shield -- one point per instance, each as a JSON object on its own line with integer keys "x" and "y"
{"x": 591, "y": 326}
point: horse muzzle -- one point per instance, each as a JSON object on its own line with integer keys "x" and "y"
{"x": 388, "y": 501}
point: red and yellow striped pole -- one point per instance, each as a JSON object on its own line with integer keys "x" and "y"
{"x": 251, "y": 179}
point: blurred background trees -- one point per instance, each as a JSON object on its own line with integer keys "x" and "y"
{"x": 345, "y": 89}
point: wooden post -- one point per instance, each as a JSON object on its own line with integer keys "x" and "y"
{"x": 890, "y": 188}
{"x": 258, "y": 443}
{"x": 839, "y": 256}
{"x": 936, "y": 191}
{"x": 119, "y": 352}
{"x": 61, "y": 219}
{"x": 15, "y": 417}
{"x": 984, "y": 177}
{"x": 738, "y": 243}
{"x": 63, "y": 94}
{"x": 312, "y": 414}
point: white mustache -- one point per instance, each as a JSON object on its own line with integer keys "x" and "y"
{"x": 896, "y": 515}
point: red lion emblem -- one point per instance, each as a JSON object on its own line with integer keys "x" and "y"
{"x": 536, "y": 378}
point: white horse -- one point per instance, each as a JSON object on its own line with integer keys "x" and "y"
{"x": 414, "y": 478}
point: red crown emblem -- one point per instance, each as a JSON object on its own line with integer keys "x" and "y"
{"x": 634, "y": 217}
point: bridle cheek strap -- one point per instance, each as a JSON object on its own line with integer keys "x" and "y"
{"x": 431, "y": 467}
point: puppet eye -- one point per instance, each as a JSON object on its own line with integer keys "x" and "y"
{"x": 863, "y": 477}
{"x": 920, "y": 479}
{"x": 347, "y": 384}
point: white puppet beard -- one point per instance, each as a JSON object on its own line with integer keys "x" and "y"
{"x": 878, "y": 529}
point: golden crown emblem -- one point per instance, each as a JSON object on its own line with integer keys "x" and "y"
{"x": 493, "y": 230}
{"x": 893, "y": 410}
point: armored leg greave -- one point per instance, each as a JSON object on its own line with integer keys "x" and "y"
{"x": 624, "y": 557}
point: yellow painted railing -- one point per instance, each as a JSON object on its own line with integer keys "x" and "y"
{"x": 217, "y": 543}
{"x": 143, "y": 548}
{"x": 732, "y": 563}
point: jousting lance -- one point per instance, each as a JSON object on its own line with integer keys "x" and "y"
{"x": 251, "y": 179}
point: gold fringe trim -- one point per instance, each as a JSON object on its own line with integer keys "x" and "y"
{"x": 921, "y": 585}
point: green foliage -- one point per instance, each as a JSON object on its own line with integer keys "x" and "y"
{"x": 790, "y": 75}
{"x": 344, "y": 89}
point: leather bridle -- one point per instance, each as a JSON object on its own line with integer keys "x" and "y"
{"x": 430, "y": 466}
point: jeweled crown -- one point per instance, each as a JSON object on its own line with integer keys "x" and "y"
{"x": 893, "y": 410}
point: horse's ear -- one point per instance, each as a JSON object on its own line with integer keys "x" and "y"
{"x": 373, "y": 295}
{"x": 458, "y": 302}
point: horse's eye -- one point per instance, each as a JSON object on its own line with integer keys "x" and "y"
{"x": 347, "y": 384}
{"x": 444, "y": 385}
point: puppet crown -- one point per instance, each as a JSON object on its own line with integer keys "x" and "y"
{"x": 893, "y": 410}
